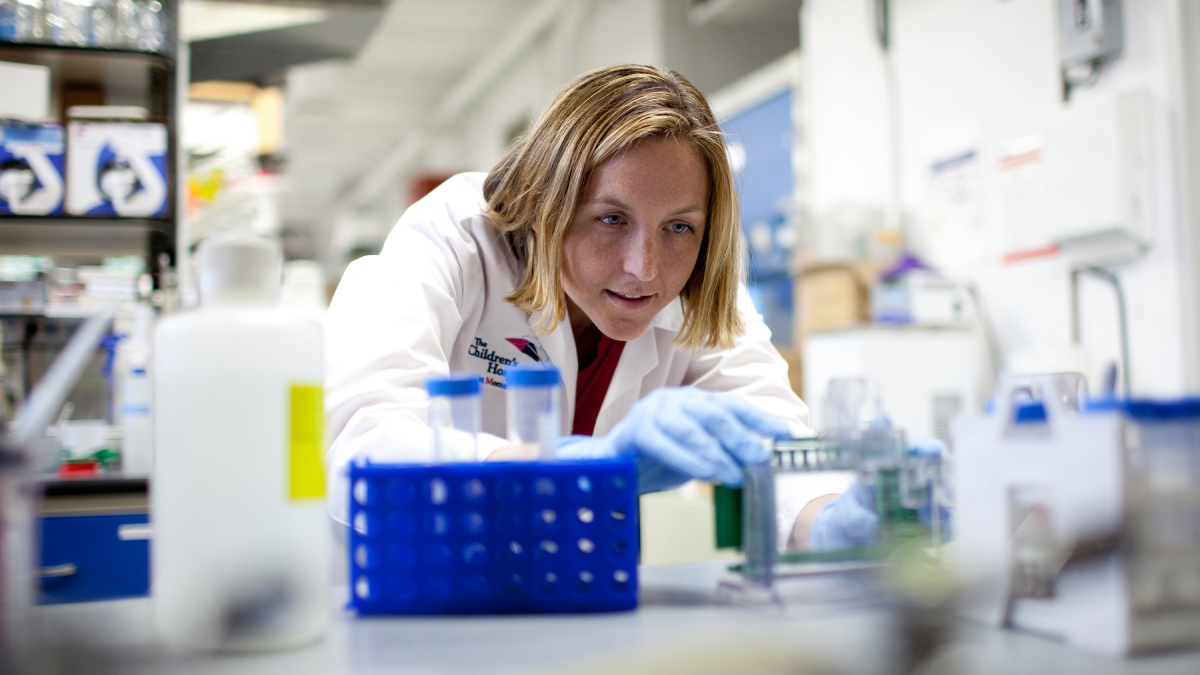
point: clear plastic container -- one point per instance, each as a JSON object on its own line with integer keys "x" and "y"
{"x": 103, "y": 28}
{"x": 9, "y": 10}
{"x": 29, "y": 21}
{"x": 69, "y": 21}
{"x": 148, "y": 20}
{"x": 455, "y": 415}
{"x": 534, "y": 412}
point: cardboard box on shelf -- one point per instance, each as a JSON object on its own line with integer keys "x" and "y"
{"x": 833, "y": 297}
{"x": 795, "y": 368}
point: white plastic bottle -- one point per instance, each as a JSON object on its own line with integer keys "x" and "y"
{"x": 241, "y": 535}
{"x": 136, "y": 392}
{"x": 137, "y": 426}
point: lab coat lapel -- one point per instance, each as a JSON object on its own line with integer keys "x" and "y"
{"x": 560, "y": 347}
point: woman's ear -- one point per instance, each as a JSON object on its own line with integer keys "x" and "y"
{"x": 534, "y": 226}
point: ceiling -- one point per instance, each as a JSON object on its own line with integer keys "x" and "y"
{"x": 374, "y": 73}
{"x": 344, "y": 116}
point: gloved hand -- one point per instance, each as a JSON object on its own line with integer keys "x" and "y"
{"x": 850, "y": 520}
{"x": 683, "y": 433}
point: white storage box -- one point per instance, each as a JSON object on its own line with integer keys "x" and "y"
{"x": 31, "y": 170}
{"x": 117, "y": 169}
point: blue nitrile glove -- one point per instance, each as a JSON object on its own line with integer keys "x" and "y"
{"x": 850, "y": 520}
{"x": 681, "y": 433}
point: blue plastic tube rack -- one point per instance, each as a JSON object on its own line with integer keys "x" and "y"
{"x": 493, "y": 537}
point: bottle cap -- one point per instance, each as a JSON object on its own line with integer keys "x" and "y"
{"x": 240, "y": 267}
{"x": 540, "y": 375}
{"x": 454, "y": 384}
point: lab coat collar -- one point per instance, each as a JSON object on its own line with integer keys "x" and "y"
{"x": 639, "y": 357}
{"x": 670, "y": 318}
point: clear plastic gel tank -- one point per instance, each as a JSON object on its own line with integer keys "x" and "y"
{"x": 455, "y": 415}
{"x": 534, "y": 404}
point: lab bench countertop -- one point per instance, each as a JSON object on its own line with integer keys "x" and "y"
{"x": 679, "y": 627}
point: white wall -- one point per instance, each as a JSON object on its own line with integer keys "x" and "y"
{"x": 981, "y": 74}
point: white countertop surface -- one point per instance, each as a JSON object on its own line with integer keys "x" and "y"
{"x": 679, "y": 628}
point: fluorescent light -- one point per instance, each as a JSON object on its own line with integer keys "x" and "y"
{"x": 206, "y": 19}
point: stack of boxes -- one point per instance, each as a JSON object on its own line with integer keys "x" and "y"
{"x": 109, "y": 162}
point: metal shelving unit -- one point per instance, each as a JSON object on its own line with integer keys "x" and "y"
{"x": 79, "y": 75}
{"x": 90, "y": 75}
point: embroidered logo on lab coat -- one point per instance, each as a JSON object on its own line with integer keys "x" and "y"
{"x": 527, "y": 347}
{"x": 496, "y": 364}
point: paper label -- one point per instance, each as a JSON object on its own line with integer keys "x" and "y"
{"x": 306, "y": 474}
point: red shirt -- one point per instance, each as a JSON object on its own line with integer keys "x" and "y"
{"x": 593, "y": 383}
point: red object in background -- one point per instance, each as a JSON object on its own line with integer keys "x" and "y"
{"x": 423, "y": 185}
{"x": 76, "y": 468}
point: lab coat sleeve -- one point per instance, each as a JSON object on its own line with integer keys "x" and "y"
{"x": 752, "y": 369}
{"x": 391, "y": 324}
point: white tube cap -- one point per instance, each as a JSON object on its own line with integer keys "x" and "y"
{"x": 240, "y": 268}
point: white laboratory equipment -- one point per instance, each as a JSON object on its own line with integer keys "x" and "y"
{"x": 455, "y": 416}
{"x": 925, "y": 375}
{"x": 534, "y": 409}
{"x": 1081, "y": 524}
{"x": 1100, "y": 184}
{"x": 241, "y": 536}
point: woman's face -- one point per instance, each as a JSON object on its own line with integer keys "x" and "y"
{"x": 635, "y": 237}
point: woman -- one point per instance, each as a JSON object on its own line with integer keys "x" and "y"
{"x": 605, "y": 242}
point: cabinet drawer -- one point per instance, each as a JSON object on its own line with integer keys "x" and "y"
{"x": 94, "y": 557}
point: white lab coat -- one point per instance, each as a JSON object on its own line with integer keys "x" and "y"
{"x": 433, "y": 301}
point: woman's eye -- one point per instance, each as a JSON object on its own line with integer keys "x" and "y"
{"x": 610, "y": 219}
{"x": 680, "y": 228}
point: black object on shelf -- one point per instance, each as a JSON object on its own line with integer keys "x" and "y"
{"x": 100, "y": 485}
{"x": 162, "y": 223}
{"x": 79, "y": 49}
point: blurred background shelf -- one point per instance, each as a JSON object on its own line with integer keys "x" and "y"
{"x": 68, "y": 51}
{"x": 89, "y": 76}
{"x": 84, "y": 240}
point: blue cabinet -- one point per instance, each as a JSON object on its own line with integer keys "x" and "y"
{"x": 94, "y": 557}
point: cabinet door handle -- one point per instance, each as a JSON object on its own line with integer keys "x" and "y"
{"x": 64, "y": 570}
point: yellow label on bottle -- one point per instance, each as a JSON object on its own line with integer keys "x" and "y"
{"x": 306, "y": 472}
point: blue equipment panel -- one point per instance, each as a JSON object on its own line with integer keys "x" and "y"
{"x": 494, "y": 537}
{"x": 99, "y": 557}
{"x": 761, "y": 140}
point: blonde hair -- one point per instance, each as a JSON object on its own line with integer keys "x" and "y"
{"x": 542, "y": 179}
